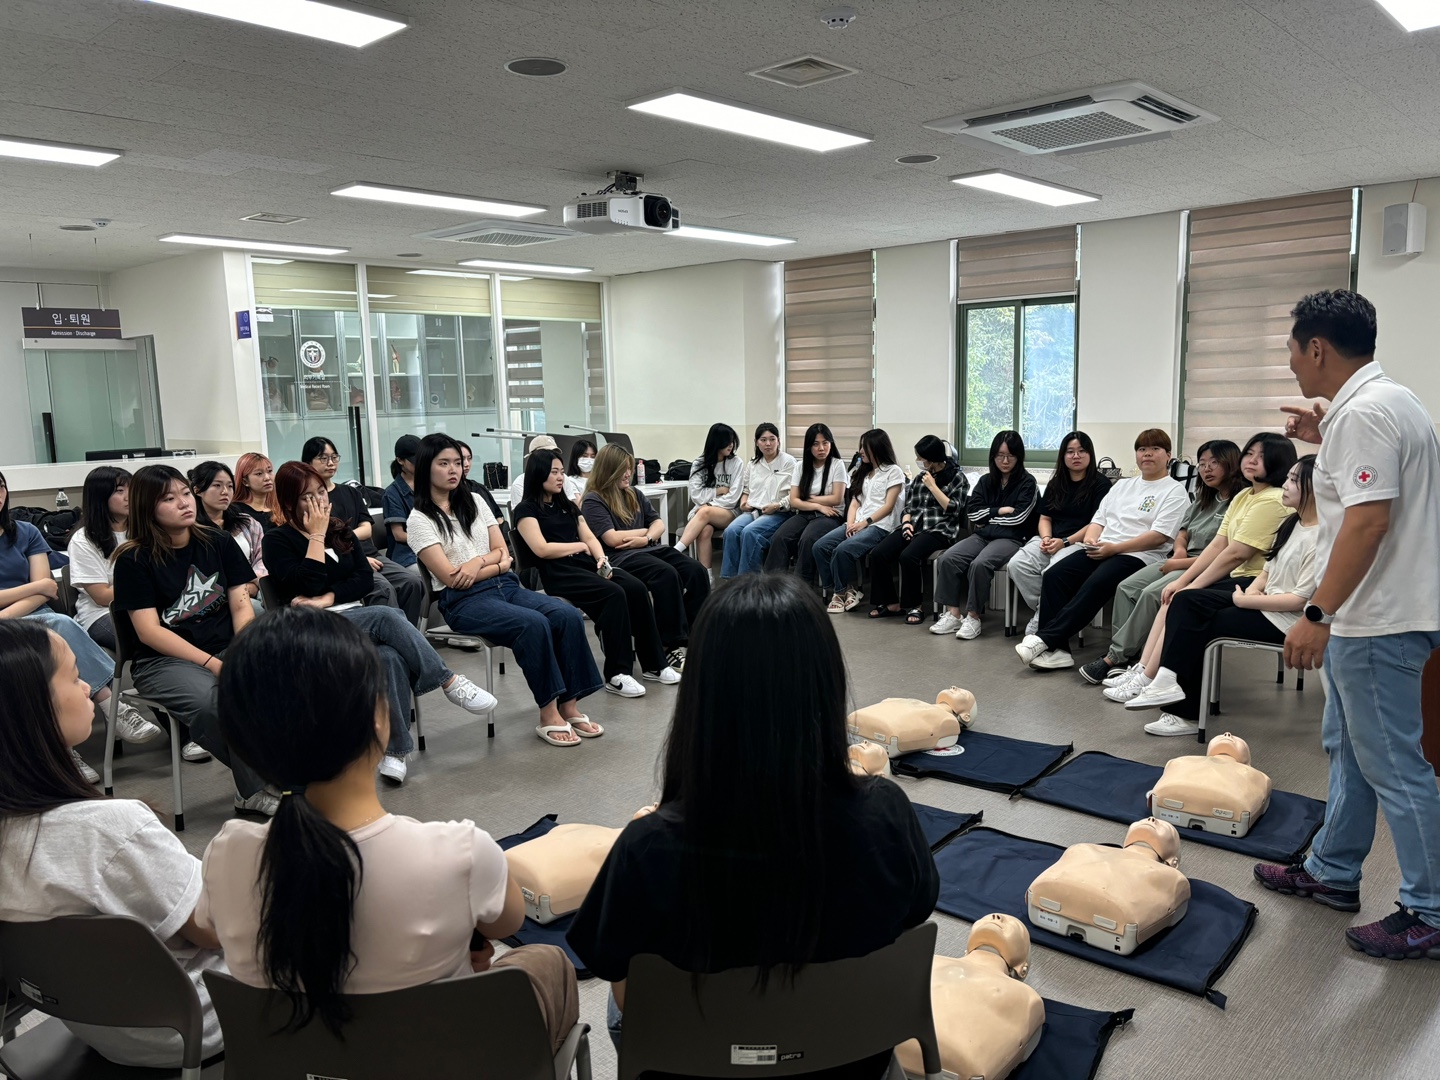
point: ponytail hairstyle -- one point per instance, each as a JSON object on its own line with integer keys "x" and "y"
{"x": 148, "y": 486}
{"x": 101, "y": 482}
{"x": 7, "y": 523}
{"x": 613, "y": 463}
{"x": 1305, "y": 480}
{"x": 808, "y": 465}
{"x": 301, "y": 692}
{"x": 766, "y": 428}
{"x": 876, "y": 443}
{"x": 290, "y": 484}
{"x": 719, "y": 437}
{"x": 462, "y": 503}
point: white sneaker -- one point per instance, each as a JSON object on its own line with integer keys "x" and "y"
{"x": 1033, "y": 626}
{"x": 1170, "y": 724}
{"x": 90, "y": 775}
{"x": 1163, "y": 690}
{"x": 1121, "y": 674}
{"x": 1031, "y": 646}
{"x": 946, "y": 624}
{"x": 1127, "y": 689}
{"x": 193, "y": 751}
{"x": 1053, "y": 660}
{"x": 262, "y": 802}
{"x": 666, "y": 676}
{"x": 625, "y": 686}
{"x": 969, "y": 628}
{"x": 469, "y": 697}
{"x": 134, "y": 728}
{"x": 392, "y": 768}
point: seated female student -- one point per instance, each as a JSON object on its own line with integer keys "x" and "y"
{"x": 715, "y": 489}
{"x": 764, "y": 504}
{"x": 573, "y": 566}
{"x": 1137, "y": 600}
{"x": 577, "y": 473}
{"x": 873, "y": 511}
{"x": 335, "y": 895}
{"x": 67, "y": 850}
{"x": 929, "y": 522}
{"x": 817, "y": 495}
{"x": 631, "y": 533}
{"x": 315, "y": 561}
{"x": 403, "y": 588}
{"x": 1067, "y": 506}
{"x": 26, "y": 587}
{"x": 1001, "y": 510}
{"x": 255, "y": 487}
{"x": 778, "y": 858}
{"x": 458, "y": 541}
{"x": 1263, "y": 610}
{"x": 214, "y": 486}
{"x": 183, "y": 582}
{"x": 546, "y": 445}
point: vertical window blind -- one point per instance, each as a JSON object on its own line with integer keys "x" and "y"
{"x": 1248, "y": 265}
{"x": 1018, "y": 265}
{"x": 830, "y": 348}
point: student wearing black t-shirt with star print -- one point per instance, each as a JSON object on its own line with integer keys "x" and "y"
{"x": 184, "y": 585}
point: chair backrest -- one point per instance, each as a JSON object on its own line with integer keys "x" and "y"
{"x": 67, "y": 596}
{"x": 619, "y": 438}
{"x": 127, "y": 642}
{"x": 108, "y": 970}
{"x": 269, "y": 594}
{"x": 475, "y": 1027}
{"x": 832, "y": 1014}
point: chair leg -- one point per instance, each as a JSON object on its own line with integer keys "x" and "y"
{"x": 179, "y": 794}
{"x": 415, "y": 712}
{"x": 108, "y": 773}
{"x": 1299, "y": 680}
{"x": 1279, "y": 669}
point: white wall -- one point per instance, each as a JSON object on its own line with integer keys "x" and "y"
{"x": 915, "y": 343}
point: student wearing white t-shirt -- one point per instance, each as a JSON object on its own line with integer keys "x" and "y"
{"x": 1133, "y": 527}
{"x": 335, "y": 895}
{"x": 104, "y": 505}
{"x": 817, "y": 495}
{"x": 874, "y": 505}
{"x": 764, "y": 504}
{"x": 458, "y": 542}
{"x": 67, "y": 850}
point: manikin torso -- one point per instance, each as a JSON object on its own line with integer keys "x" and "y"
{"x": 556, "y": 870}
{"x": 1219, "y": 791}
{"x": 903, "y": 725}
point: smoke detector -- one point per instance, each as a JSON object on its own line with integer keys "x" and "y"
{"x": 838, "y": 18}
{"x": 500, "y": 233}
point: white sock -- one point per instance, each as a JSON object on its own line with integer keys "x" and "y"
{"x": 680, "y": 545}
{"x": 1141, "y": 679}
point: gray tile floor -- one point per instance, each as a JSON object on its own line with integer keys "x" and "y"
{"x": 1300, "y": 1001}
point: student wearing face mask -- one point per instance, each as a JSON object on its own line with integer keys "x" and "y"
{"x": 764, "y": 504}
{"x": 577, "y": 474}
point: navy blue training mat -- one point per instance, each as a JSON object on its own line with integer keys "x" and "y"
{"x": 993, "y": 762}
{"x": 986, "y": 870}
{"x": 531, "y": 932}
{"x": 942, "y": 826}
{"x": 1073, "y": 1043}
{"x": 1114, "y": 788}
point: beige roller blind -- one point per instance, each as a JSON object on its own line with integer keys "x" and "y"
{"x": 830, "y": 347}
{"x": 545, "y": 298}
{"x": 523, "y": 364}
{"x": 393, "y": 288}
{"x": 1013, "y": 266}
{"x": 296, "y": 284}
{"x": 1248, "y": 266}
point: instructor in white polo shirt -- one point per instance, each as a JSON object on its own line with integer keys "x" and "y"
{"x": 1373, "y": 620}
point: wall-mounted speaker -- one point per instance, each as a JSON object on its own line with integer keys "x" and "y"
{"x": 1404, "y": 232}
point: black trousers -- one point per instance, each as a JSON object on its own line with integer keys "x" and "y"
{"x": 912, "y": 557}
{"x": 619, "y": 608}
{"x": 796, "y": 539}
{"x": 1074, "y": 589}
{"x": 678, "y": 586}
{"x": 1196, "y": 618}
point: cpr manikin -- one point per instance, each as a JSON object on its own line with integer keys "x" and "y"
{"x": 556, "y": 870}
{"x": 868, "y": 759}
{"x": 903, "y": 725}
{"x": 986, "y": 1019}
{"x": 1114, "y": 898}
{"x": 1220, "y": 792}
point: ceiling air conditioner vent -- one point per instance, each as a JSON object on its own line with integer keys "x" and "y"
{"x": 803, "y": 71}
{"x": 1102, "y": 117}
{"x": 500, "y": 233}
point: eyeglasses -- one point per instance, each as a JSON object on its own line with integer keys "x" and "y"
{"x": 329, "y": 459}
{"x": 1004, "y": 457}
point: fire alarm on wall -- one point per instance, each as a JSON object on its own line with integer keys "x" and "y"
{"x": 1404, "y": 231}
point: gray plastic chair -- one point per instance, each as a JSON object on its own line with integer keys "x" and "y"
{"x": 127, "y": 643}
{"x": 833, "y": 1014}
{"x": 477, "y": 1027}
{"x": 1211, "y": 667}
{"x": 107, "y": 970}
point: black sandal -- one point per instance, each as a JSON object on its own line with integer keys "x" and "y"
{"x": 914, "y": 617}
{"x": 880, "y": 611}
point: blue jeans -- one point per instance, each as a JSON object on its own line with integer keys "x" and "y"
{"x": 747, "y": 539}
{"x": 1371, "y": 732}
{"x": 97, "y": 667}
{"x": 836, "y": 554}
{"x": 546, "y": 635}
{"x": 614, "y": 1019}
{"x": 411, "y": 664}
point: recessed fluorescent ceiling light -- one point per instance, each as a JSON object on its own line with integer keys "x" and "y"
{"x": 730, "y": 236}
{"x": 1022, "y": 187}
{"x": 1413, "y": 14}
{"x": 527, "y": 268}
{"x": 270, "y": 262}
{"x": 436, "y": 200}
{"x": 250, "y": 245}
{"x": 724, "y": 115}
{"x": 332, "y": 20}
{"x": 60, "y": 153}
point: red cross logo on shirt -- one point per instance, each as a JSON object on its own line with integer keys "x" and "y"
{"x": 1364, "y": 476}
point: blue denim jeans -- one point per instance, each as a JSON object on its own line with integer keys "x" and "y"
{"x": 97, "y": 667}
{"x": 411, "y": 664}
{"x": 747, "y": 539}
{"x": 837, "y": 554}
{"x": 614, "y": 1019}
{"x": 546, "y": 635}
{"x": 1371, "y": 732}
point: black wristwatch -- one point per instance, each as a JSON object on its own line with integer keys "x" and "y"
{"x": 1065, "y": 542}
{"x": 1316, "y": 614}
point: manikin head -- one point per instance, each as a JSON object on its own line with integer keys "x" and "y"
{"x": 868, "y": 759}
{"x": 1158, "y": 836}
{"x": 1007, "y": 938}
{"x": 961, "y": 702}
{"x": 1231, "y": 746}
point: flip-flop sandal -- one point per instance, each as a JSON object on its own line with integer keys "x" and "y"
{"x": 583, "y": 719}
{"x": 549, "y": 732}
{"x": 883, "y": 612}
{"x": 914, "y": 617}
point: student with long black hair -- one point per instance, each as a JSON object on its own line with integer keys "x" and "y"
{"x": 715, "y": 490}
{"x": 1002, "y": 512}
{"x": 459, "y": 543}
{"x": 817, "y": 495}
{"x": 874, "y": 504}
{"x": 336, "y": 896}
{"x": 104, "y": 506}
{"x": 764, "y": 850}
{"x": 67, "y": 850}
{"x": 183, "y": 583}
{"x": 764, "y": 504}
{"x": 214, "y": 486}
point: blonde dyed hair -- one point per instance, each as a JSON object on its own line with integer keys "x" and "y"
{"x": 611, "y": 464}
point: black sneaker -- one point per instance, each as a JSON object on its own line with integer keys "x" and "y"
{"x": 1294, "y": 881}
{"x": 676, "y": 659}
{"x": 1095, "y": 671}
